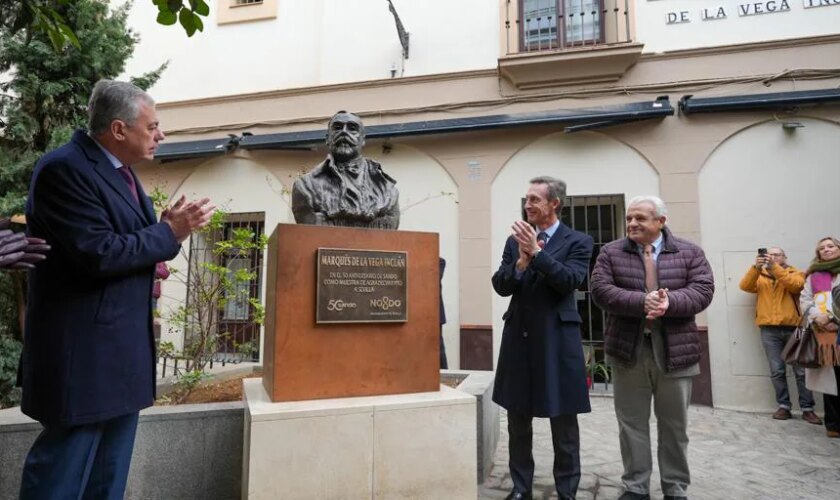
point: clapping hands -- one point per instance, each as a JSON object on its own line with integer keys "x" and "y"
{"x": 184, "y": 218}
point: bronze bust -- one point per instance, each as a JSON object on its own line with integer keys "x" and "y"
{"x": 346, "y": 189}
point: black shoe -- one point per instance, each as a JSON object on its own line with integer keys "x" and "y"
{"x": 672, "y": 497}
{"x": 629, "y": 495}
{"x": 515, "y": 495}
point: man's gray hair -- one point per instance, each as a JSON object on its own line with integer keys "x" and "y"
{"x": 659, "y": 208}
{"x": 555, "y": 187}
{"x": 113, "y": 100}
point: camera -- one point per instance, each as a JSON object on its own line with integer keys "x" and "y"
{"x": 762, "y": 251}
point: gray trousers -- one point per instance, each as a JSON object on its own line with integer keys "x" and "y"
{"x": 634, "y": 387}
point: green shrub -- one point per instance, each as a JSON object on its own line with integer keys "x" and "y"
{"x": 9, "y": 357}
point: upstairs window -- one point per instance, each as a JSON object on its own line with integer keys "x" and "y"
{"x": 240, "y": 11}
{"x": 552, "y": 24}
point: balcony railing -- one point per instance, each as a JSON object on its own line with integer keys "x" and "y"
{"x": 558, "y": 25}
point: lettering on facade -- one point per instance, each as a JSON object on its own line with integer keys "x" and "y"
{"x": 713, "y": 14}
{"x": 361, "y": 286}
{"x": 810, "y": 4}
{"x": 769, "y": 7}
{"x": 744, "y": 9}
{"x": 680, "y": 17}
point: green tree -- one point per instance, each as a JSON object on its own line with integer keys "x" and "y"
{"x": 44, "y": 99}
{"x": 46, "y": 17}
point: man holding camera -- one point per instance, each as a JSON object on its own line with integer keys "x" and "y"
{"x": 777, "y": 286}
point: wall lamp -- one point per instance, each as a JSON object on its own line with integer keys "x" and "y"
{"x": 791, "y": 126}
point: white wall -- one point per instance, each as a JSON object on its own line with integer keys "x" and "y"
{"x": 762, "y": 187}
{"x": 659, "y": 36}
{"x": 314, "y": 42}
{"x": 320, "y": 42}
{"x": 590, "y": 163}
{"x": 429, "y": 202}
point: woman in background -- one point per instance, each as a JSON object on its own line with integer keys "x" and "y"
{"x": 816, "y": 303}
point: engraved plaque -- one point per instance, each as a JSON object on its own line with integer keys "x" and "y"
{"x": 361, "y": 286}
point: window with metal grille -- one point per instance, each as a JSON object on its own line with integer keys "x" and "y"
{"x": 240, "y": 334}
{"x": 602, "y": 217}
{"x": 551, "y": 24}
{"x": 237, "y": 3}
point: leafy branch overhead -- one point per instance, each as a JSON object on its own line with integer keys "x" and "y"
{"x": 49, "y": 17}
{"x": 38, "y": 16}
{"x": 188, "y": 14}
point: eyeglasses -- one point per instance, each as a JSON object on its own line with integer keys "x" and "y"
{"x": 776, "y": 254}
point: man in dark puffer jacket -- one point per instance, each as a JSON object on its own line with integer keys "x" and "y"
{"x": 652, "y": 284}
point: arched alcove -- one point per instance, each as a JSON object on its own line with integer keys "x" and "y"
{"x": 429, "y": 202}
{"x": 237, "y": 185}
{"x": 590, "y": 163}
{"x": 766, "y": 185}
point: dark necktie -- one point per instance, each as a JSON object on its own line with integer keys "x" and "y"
{"x": 542, "y": 237}
{"x": 125, "y": 172}
{"x": 651, "y": 283}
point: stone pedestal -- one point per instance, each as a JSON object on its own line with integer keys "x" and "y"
{"x": 406, "y": 446}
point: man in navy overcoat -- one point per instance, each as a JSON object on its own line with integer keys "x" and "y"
{"x": 541, "y": 371}
{"x": 88, "y": 362}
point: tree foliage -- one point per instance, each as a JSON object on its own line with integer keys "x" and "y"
{"x": 213, "y": 285}
{"x": 46, "y": 17}
{"x": 37, "y": 16}
{"x": 44, "y": 97}
{"x": 188, "y": 14}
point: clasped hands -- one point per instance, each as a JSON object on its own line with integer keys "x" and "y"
{"x": 184, "y": 218}
{"x": 526, "y": 237}
{"x": 17, "y": 251}
{"x": 825, "y": 323}
{"x": 656, "y": 303}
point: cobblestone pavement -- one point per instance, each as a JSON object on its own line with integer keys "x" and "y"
{"x": 732, "y": 455}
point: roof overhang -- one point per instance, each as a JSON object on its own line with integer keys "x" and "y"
{"x": 574, "y": 120}
{"x": 775, "y": 101}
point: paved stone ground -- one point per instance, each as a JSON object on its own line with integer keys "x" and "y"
{"x": 732, "y": 455}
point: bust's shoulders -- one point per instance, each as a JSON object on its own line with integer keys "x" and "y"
{"x": 377, "y": 173}
{"x": 313, "y": 176}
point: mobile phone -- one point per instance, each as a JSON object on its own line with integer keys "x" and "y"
{"x": 762, "y": 251}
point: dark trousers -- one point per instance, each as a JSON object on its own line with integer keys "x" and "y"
{"x": 832, "y": 406}
{"x": 444, "y": 365}
{"x": 565, "y": 438}
{"x": 84, "y": 462}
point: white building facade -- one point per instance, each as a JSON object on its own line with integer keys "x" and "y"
{"x": 728, "y": 110}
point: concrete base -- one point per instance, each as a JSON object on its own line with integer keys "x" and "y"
{"x": 406, "y": 446}
{"x": 184, "y": 452}
{"x": 480, "y": 384}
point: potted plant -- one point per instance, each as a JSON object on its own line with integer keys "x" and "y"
{"x": 597, "y": 369}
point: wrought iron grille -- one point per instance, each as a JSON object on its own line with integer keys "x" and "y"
{"x": 239, "y": 335}
{"x": 602, "y": 217}
{"x": 537, "y": 25}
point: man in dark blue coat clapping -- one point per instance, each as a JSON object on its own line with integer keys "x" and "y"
{"x": 541, "y": 372}
{"x": 88, "y": 363}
